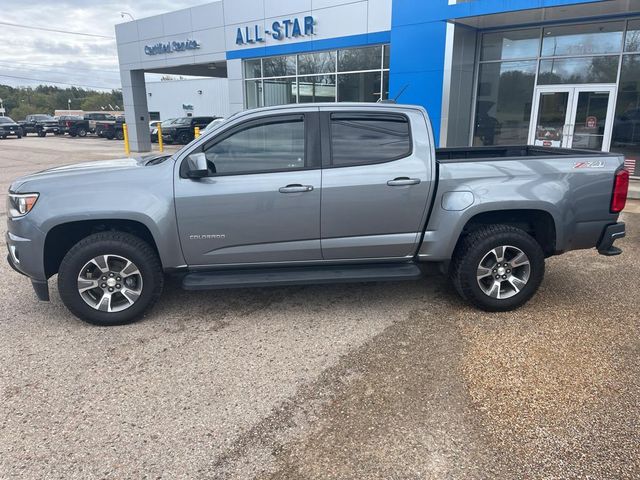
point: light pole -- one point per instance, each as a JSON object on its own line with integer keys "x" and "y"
{"x": 1, "y": 108}
{"x": 69, "y": 106}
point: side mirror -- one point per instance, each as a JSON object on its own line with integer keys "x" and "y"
{"x": 197, "y": 165}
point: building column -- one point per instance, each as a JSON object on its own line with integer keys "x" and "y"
{"x": 236, "y": 88}
{"x": 134, "y": 95}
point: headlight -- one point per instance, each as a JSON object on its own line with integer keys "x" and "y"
{"x": 19, "y": 204}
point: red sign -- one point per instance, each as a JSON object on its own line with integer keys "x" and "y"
{"x": 546, "y": 143}
{"x": 592, "y": 122}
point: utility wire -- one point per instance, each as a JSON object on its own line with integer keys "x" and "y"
{"x": 56, "y": 31}
{"x": 61, "y": 83}
{"x": 18, "y": 66}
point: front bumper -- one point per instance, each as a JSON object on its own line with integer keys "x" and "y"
{"x": 50, "y": 128}
{"x": 17, "y": 247}
{"x": 610, "y": 234}
{"x": 15, "y": 132}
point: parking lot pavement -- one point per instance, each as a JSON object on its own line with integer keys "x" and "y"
{"x": 393, "y": 381}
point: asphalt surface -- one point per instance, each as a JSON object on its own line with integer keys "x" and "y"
{"x": 389, "y": 381}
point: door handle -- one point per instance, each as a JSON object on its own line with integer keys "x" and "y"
{"x": 402, "y": 181}
{"x": 295, "y": 188}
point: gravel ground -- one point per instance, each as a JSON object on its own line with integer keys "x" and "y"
{"x": 393, "y": 381}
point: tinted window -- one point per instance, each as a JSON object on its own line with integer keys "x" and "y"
{"x": 578, "y": 70}
{"x": 270, "y": 145}
{"x": 582, "y": 39}
{"x": 6, "y": 120}
{"x": 361, "y": 139}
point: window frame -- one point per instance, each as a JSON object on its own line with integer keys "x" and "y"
{"x": 327, "y": 136}
{"x": 311, "y": 142}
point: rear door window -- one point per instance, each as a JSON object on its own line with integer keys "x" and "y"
{"x": 360, "y": 139}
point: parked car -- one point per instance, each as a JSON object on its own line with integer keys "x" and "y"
{"x": 74, "y": 125}
{"x": 94, "y": 117}
{"x": 40, "y": 124}
{"x": 111, "y": 129}
{"x": 303, "y": 194}
{"x": 182, "y": 130}
{"x": 9, "y": 128}
{"x": 163, "y": 125}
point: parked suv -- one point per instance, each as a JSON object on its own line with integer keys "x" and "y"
{"x": 9, "y": 128}
{"x": 182, "y": 129}
{"x": 304, "y": 194}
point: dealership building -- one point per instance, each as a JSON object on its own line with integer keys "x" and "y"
{"x": 489, "y": 72}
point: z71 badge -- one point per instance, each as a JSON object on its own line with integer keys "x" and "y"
{"x": 594, "y": 164}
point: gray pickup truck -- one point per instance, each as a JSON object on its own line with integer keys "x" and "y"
{"x": 307, "y": 194}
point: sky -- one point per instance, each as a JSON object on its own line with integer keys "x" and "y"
{"x": 80, "y": 60}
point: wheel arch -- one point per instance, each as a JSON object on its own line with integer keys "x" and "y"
{"x": 540, "y": 224}
{"x": 62, "y": 237}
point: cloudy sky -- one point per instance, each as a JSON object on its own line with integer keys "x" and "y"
{"x": 81, "y": 60}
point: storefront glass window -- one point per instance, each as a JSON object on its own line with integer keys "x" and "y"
{"x": 587, "y": 39}
{"x": 512, "y": 44}
{"x": 626, "y": 126}
{"x": 318, "y": 77}
{"x": 632, "y": 41}
{"x": 253, "y": 93}
{"x": 359, "y": 87}
{"x": 322, "y": 62}
{"x": 279, "y": 66}
{"x": 319, "y": 88}
{"x": 368, "y": 58}
{"x": 503, "y": 107}
{"x": 578, "y": 70}
{"x": 252, "y": 69}
{"x": 280, "y": 91}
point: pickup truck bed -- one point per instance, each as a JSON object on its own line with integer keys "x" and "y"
{"x": 311, "y": 193}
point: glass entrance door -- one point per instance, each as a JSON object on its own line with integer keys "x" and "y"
{"x": 573, "y": 117}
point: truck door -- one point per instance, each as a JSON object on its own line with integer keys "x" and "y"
{"x": 376, "y": 183}
{"x": 261, "y": 202}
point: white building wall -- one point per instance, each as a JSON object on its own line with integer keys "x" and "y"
{"x": 168, "y": 97}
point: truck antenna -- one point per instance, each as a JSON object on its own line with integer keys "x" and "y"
{"x": 395, "y": 99}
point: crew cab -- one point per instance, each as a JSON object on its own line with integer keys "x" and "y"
{"x": 40, "y": 124}
{"x": 94, "y": 117}
{"x": 74, "y": 125}
{"x": 182, "y": 130}
{"x": 305, "y": 194}
{"x": 9, "y": 128}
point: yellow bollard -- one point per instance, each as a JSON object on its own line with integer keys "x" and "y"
{"x": 197, "y": 132}
{"x": 125, "y": 131}
{"x": 160, "y": 144}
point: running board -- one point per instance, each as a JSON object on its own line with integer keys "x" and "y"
{"x": 273, "y": 277}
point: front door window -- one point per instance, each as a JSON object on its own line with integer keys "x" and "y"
{"x": 573, "y": 117}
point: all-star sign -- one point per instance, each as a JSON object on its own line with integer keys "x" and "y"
{"x": 287, "y": 28}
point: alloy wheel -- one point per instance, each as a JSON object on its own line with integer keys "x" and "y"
{"x": 503, "y": 272}
{"x": 110, "y": 283}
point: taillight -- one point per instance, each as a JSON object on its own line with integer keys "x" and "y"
{"x": 68, "y": 123}
{"x": 620, "y": 190}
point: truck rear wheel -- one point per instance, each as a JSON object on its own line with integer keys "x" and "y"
{"x": 497, "y": 268}
{"x": 82, "y": 132}
{"x": 110, "y": 278}
{"x": 120, "y": 135}
{"x": 42, "y": 133}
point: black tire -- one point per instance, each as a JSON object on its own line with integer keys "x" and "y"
{"x": 110, "y": 243}
{"x": 120, "y": 135}
{"x": 108, "y": 136}
{"x": 19, "y": 136}
{"x": 82, "y": 132}
{"x": 42, "y": 133}
{"x": 184, "y": 138}
{"x": 472, "y": 249}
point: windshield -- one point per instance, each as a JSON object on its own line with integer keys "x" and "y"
{"x": 183, "y": 121}
{"x": 168, "y": 121}
{"x": 42, "y": 117}
{"x": 6, "y": 120}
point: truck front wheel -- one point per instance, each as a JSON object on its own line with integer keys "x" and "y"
{"x": 497, "y": 268}
{"x": 110, "y": 278}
